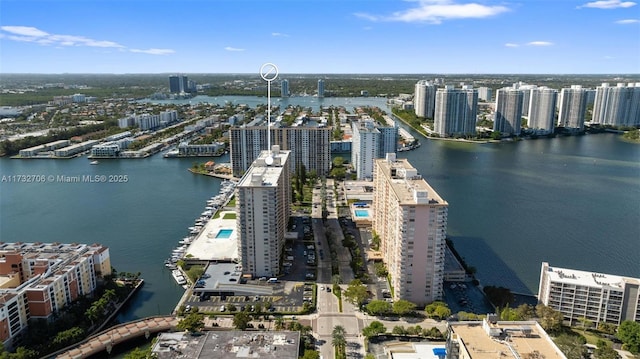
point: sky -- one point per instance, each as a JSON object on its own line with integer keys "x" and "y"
{"x": 320, "y": 36}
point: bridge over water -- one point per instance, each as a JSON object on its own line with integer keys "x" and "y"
{"x": 107, "y": 339}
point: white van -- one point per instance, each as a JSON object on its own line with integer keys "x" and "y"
{"x": 272, "y": 280}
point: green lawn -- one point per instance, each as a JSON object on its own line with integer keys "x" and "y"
{"x": 229, "y": 216}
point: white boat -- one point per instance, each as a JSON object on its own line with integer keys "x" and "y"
{"x": 177, "y": 275}
{"x": 94, "y": 162}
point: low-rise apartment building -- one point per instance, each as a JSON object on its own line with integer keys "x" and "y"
{"x": 40, "y": 279}
{"x": 597, "y": 297}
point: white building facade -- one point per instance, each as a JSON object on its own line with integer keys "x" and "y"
{"x": 508, "y": 116}
{"x": 573, "y": 107}
{"x": 542, "y": 109}
{"x": 617, "y": 106}
{"x": 263, "y": 202}
{"x": 424, "y": 99}
{"x": 594, "y": 296}
{"x": 455, "y": 111}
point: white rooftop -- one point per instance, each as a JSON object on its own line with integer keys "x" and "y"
{"x": 414, "y": 350}
{"x": 207, "y": 247}
{"x": 265, "y": 170}
{"x": 591, "y": 279}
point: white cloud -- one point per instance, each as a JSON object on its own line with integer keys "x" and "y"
{"x": 35, "y": 35}
{"x": 510, "y": 44}
{"x": 279, "y": 34}
{"x": 435, "y": 11}
{"x": 24, "y": 31}
{"x": 229, "y": 48}
{"x": 608, "y": 4}
{"x": 154, "y": 51}
{"x": 627, "y": 21}
{"x": 539, "y": 43}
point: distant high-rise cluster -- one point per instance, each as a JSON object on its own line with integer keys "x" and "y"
{"x": 455, "y": 111}
{"x": 263, "y": 206}
{"x": 617, "y": 106}
{"x": 411, "y": 220}
{"x": 320, "y": 88}
{"x": 181, "y": 84}
{"x": 424, "y": 99}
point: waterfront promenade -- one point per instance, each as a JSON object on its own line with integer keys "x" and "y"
{"x": 107, "y": 339}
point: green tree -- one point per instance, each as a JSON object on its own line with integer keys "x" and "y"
{"x": 403, "y": 307}
{"x": 499, "y": 296}
{"x": 311, "y": 354}
{"x": 241, "y": 320}
{"x": 194, "y": 322}
{"x": 496, "y": 135}
{"x": 380, "y": 268}
{"x": 604, "y": 351}
{"x": 138, "y": 353}
{"x": 338, "y": 340}
{"x": 438, "y": 310}
{"x": 279, "y": 323}
{"x": 399, "y": 330}
{"x": 550, "y": 319}
{"x": 629, "y": 334}
{"x": 373, "y": 329}
{"x": 356, "y": 292}
{"x": 571, "y": 346}
{"x": 68, "y": 337}
{"x": 378, "y": 307}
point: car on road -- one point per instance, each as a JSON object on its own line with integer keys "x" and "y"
{"x": 223, "y": 308}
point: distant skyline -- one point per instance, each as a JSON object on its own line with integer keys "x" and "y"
{"x": 320, "y": 36}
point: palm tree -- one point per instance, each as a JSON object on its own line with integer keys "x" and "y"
{"x": 337, "y": 339}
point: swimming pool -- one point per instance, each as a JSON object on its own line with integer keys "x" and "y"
{"x": 224, "y": 233}
{"x": 362, "y": 213}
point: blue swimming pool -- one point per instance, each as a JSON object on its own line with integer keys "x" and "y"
{"x": 362, "y": 213}
{"x": 224, "y": 233}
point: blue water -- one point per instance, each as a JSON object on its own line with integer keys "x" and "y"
{"x": 362, "y": 213}
{"x": 224, "y": 233}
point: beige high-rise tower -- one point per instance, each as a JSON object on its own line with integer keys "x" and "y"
{"x": 411, "y": 220}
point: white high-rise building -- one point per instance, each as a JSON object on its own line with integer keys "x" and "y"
{"x": 542, "y": 109}
{"x": 617, "y": 106}
{"x": 572, "y": 108}
{"x": 424, "y": 99}
{"x": 455, "y": 111}
{"x": 263, "y": 201}
{"x": 597, "y": 297}
{"x": 320, "y": 88}
{"x": 364, "y": 147}
{"x": 370, "y": 140}
{"x": 508, "y": 115}
{"x": 485, "y": 94}
{"x": 309, "y": 143}
{"x": 284, "y": 88}
{"x": 411, "y": 219}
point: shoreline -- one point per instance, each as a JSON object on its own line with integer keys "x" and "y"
{"x": 215, "y": 175}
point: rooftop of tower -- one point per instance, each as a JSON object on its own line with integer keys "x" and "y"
{"x": 409, "y": 186}
{"x": 264, "y": 174}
